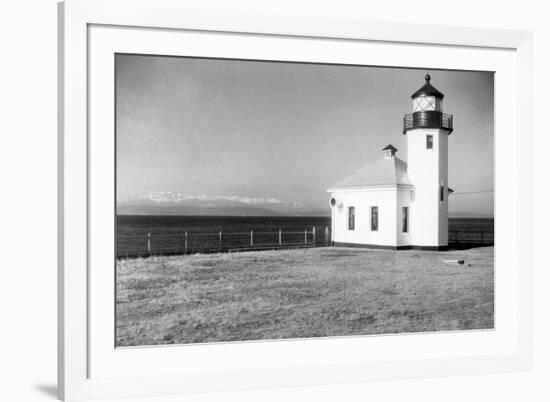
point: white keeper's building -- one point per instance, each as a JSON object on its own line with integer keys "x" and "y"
{"x": 396, "y": 204}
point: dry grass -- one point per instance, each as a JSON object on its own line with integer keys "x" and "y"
{"x": 301, "y": 293}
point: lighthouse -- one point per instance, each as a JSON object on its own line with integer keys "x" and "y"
{"x": 397, "y": 204}
{"x": 427, "y": 130}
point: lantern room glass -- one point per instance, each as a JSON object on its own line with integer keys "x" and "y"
{"x": 426, "y": 103}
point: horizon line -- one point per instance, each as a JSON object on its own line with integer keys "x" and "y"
{"x": 282, "y": 216}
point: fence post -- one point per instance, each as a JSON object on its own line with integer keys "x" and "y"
{"x": 220, "y": 240}
{"x": 280, "y": 238}
{"x": 305, "y": 236}
{"x": 313, "y": 236}
{"x": 251, "y": 238}
{"x": 185, "y": 242}
{"x": 326, "y": 236}
{"x": 149, "y": 243}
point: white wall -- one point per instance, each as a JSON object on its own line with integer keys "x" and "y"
{"x": 28, "y": 166}
{"x": 389, "y": 203}
{"x": 426, "y": 169}
{"x": 443, "y": 218}
{"x": 363, "y": 200}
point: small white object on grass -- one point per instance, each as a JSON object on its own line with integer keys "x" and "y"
{"x": 454, "y": 262}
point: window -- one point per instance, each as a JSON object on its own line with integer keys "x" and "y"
{"x": 429, "y": 141}
{"x": 423, "y": 103}
{"x": 374, "y": 219}
{"x": 351, "y": 218}
{"x": 442, "y": 193}
{"x": 405, "y": 217}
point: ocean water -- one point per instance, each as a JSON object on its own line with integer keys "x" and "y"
{"x": 168, "y": 233}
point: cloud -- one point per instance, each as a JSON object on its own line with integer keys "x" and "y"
{"x": 171, "y": 197}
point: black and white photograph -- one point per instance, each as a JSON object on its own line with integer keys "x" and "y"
{"x": 276, "y": 200}
{"x": 266, "y": 200}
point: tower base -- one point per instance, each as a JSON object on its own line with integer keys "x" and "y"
{"x": 385, "y": 247}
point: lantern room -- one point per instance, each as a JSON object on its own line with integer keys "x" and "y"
{"x": 427, "y": 110}
{"x": 427, "y": 98}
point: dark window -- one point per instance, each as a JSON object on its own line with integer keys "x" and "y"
{"x": 351, "y": 218}
{"x": 374, "y": 219}
{"x": 405, "y": 223}
{"x": 429, "y": 141}
{"x": 442, "y": 193}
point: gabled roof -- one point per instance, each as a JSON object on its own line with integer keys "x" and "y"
{"x": 428, "y": 90}
{"x": 385, "y": 172}
{"x": 390, "y": 147}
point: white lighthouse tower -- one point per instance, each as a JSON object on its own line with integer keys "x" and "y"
{"x": 427, "y": 130}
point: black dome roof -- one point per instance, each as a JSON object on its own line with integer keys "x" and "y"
{"x": 428, "y": 90}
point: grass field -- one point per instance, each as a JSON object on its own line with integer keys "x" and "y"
{"x": 301, "y": 293}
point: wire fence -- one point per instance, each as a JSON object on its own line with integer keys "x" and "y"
{"x": 148, "y": 244}
{"x": 471, "y": 237}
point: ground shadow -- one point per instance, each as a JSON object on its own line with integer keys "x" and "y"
{"x": 47, "y": 389}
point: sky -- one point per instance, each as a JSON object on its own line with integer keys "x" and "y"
{"x": 193, "y": 131}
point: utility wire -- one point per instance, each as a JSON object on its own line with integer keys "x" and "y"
{"x": 473, "y": 192}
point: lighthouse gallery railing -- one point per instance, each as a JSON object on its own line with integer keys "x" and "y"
{"x": 428, "y": 119}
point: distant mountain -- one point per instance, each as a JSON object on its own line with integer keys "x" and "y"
{"x": 169, "y": 203}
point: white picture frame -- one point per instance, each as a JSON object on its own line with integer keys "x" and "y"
{"x": 90, "y": 368}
